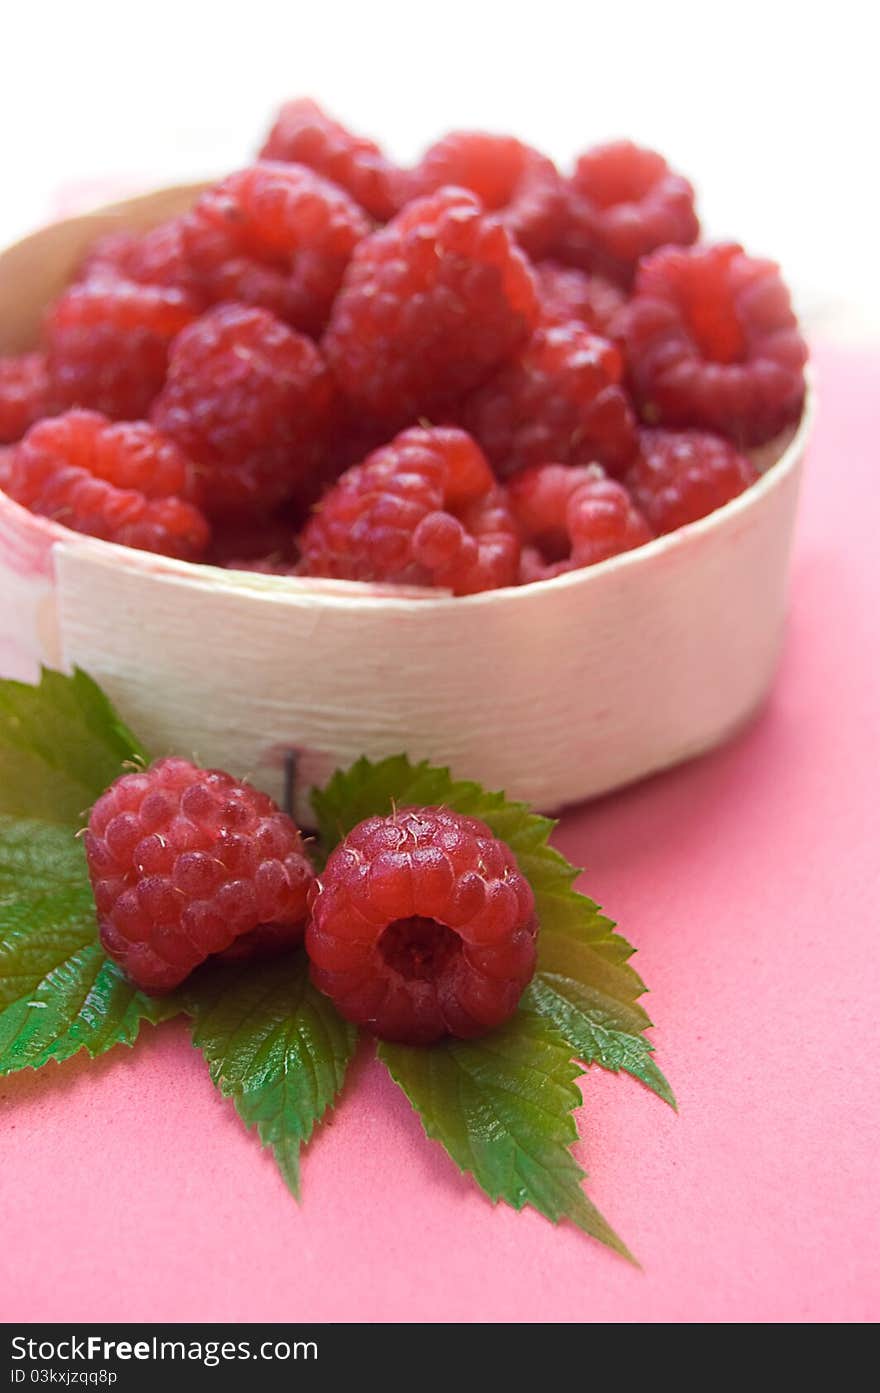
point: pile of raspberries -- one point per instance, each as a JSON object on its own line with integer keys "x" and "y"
{"x": 470, "y": 374}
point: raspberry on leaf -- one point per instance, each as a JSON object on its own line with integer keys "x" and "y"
{"x": 422, "y": 925}
{"x": 186, "y": 863}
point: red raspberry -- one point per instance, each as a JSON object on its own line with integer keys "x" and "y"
{"x": 518, "y": 184}
{"x": 123, "y": 483}
{"x": 429, "y": 306}
{"x": 249, "y": 400}
{"x": 156, "y": 257}
{"x": 679, "y": 476}
{"x": 623, "y": 202}
{"x": 107, "y": 344}
{"x": 567, "y": 293}
{"x": 184, "y": 862}
{"x": 422, "y": 926}
{"x": 712, "y": 341}
{"x": 23, "y": 395}
{"x": 305, "y": 134}
{"x": 573, "y": 516}
{"x": 424, "y": 510}
{"x": 560, "y": 400}
{"x": 274, "y": 235}
{"x": 5, "y": 467}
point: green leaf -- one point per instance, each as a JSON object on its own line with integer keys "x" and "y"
{"x": 61, "y": 744}
{"x": 502, "y": 1107}
{"x": 59, "y": 993}
{"x": 275, "y": 1046}
{"x": 584, "y": 985}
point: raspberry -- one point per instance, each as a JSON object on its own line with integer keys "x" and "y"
{"x": 156, "y": 257}
{"x": 23, "y": 395}
{"x": 304, "y": 134}
{"x": 250, "y": 400}
{"x": 712, "y": 341}
{"x": 424, "y": 510}
{"x": 274, "y": 235}
{"x": 5, "y": 467}
{"x": 422, "y": 926}
{"x": 560, "y": 400}
{"x": 567, "y": 293}
{"x": 107, "y": 344}
{"x": 679, "y": 476}
{"x": 429, "y": 306}
{"x": 186, "y": 862}
{"x": 573, "y": 516}
{"x": 123, "y": 483}
{"x": 623, "y": 202}
{"x": 517, "y": 183}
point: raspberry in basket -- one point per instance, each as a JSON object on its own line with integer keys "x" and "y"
{"x": 186, "y": 863}
{"x": 23, "y": 395}
{"x": 560, "y": 399}
{"x": 424, "y": 510}
{"x": 107, "y": 344}
{"x": 572, "y": 516}
{"x": 121, "y": 482}
{"x": 679, "y": 476}
{"x": 567, "y": 293}
{"x": 304, "y": 134}
{"x": 275, "y": 235}
{"x": 712, "y": 342}
{"x": 430, "y": 305}
{"x": 623, "y": 202}
{"x": 422, "y": 925}
{"x": 518, "y": 184}
{"x": 250, "y": 400}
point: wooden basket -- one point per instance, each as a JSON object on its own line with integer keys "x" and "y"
{"x": 555, "y": 692}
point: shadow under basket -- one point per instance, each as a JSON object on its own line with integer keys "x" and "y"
{"x": 554, "y": 692}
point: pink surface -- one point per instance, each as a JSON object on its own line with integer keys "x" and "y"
{"x": 749, "y": 881}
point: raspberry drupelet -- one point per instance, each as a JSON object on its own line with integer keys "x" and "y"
{"x": 107, "y": 344}
{"x": 422, "y": 925}
{"x": 679, "y": 476}
{"x": 120, "y": 482}
{"x": 429, "y": 306}
{"x": 250, "y": 400}
{"x": 572, "y": 516}
{"x": 304, "y": 134}
{"x": 186, "y": 863}
{"x": 623, "y": 202}
{"x": 274, "y": 235}
{"x": 560, "y": 399}
{"x": 24, "y": 388}
{"x": 712, "y": 342}
{"x": 567, "y": 293}
{"x": 518, "y": 184}
{"x": 424, "y": 510}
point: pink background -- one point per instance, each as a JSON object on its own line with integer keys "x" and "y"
{"x": 749, "y": 882}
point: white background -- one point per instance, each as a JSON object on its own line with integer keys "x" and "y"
{"x": 770, "y": 108}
